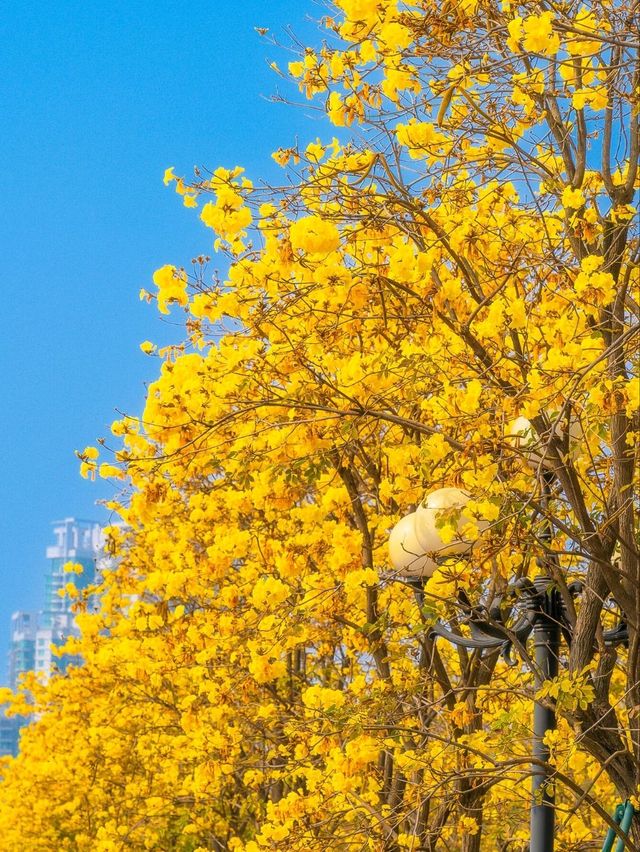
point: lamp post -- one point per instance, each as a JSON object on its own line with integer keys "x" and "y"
{"x": 416, "y": 548}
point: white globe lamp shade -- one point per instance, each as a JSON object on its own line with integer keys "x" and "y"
{"x": 406, "y": 555}
{"x": 431, "y": 511}
{"x": 521, "y": 435}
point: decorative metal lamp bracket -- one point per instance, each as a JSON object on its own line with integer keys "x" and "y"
{"x": 542, "y": 604}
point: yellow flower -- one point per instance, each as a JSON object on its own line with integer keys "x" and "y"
{"x": 109, "y": 470}
{"x": 597, "y": 98}
{"x": 87, "y": 470}
{"x": 227, "y": 217}
{"x": 623, "y": 213}
{"x": 421, "y": 138}
{"x": 172, "y": 287}
{"x": 315, "y": 151}
{"x": 515, "y": 34}
{"x": 517, "y": 311}
{"x": 322, "y": 698}
{"x": 468, "y": 825}
{"x": 591, "y": 263}
{"x": 314, "y": 235}
{"x": 368, "y": 51}
{"x": 539, "y": 36}
{"x": 594, "y": 289}
{"x": 264, "y": 668}
{"x": 282, "y": 156}
{"x": 269, "y": 592}
{"x": 169, "y": 176}
{"x": 468, "y": 402}
{"x": 572, "y": 199}
{"x": 360, "y": 10}
{"x": 579, "y": 44}
{"x": 394, "y": 36}
{"x": 336, "y": 109}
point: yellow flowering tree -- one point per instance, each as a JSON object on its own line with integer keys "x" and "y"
{"x": 449, "y": 299}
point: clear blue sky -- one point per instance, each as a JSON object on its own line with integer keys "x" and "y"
{"x": 97, "y": 99}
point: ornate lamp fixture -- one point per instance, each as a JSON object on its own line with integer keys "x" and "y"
{"x": 416, "y": 547}
{"x": 416, "y": 542}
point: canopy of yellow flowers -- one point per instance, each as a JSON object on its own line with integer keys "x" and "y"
{"x": 255, "y": 677}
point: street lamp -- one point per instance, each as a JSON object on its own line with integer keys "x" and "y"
{"x": 416, "y": 543}
{"x": 416, "y": 547}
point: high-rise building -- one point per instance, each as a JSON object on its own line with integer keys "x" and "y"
{"x": 76, "y": 541}
{"x": 34, "y": 636}
{"x": 21, "y": 660}
{"x": 22, "y": 650}
{"x": 9, "y": 734}
{"x": 79, "y": 542}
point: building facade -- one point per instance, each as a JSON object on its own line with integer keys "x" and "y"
{"x": 76, "y": 541}
{"x": 23, "y": 644}
{"x": 22, "y": 658}
{"x": 34, "y": 636}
